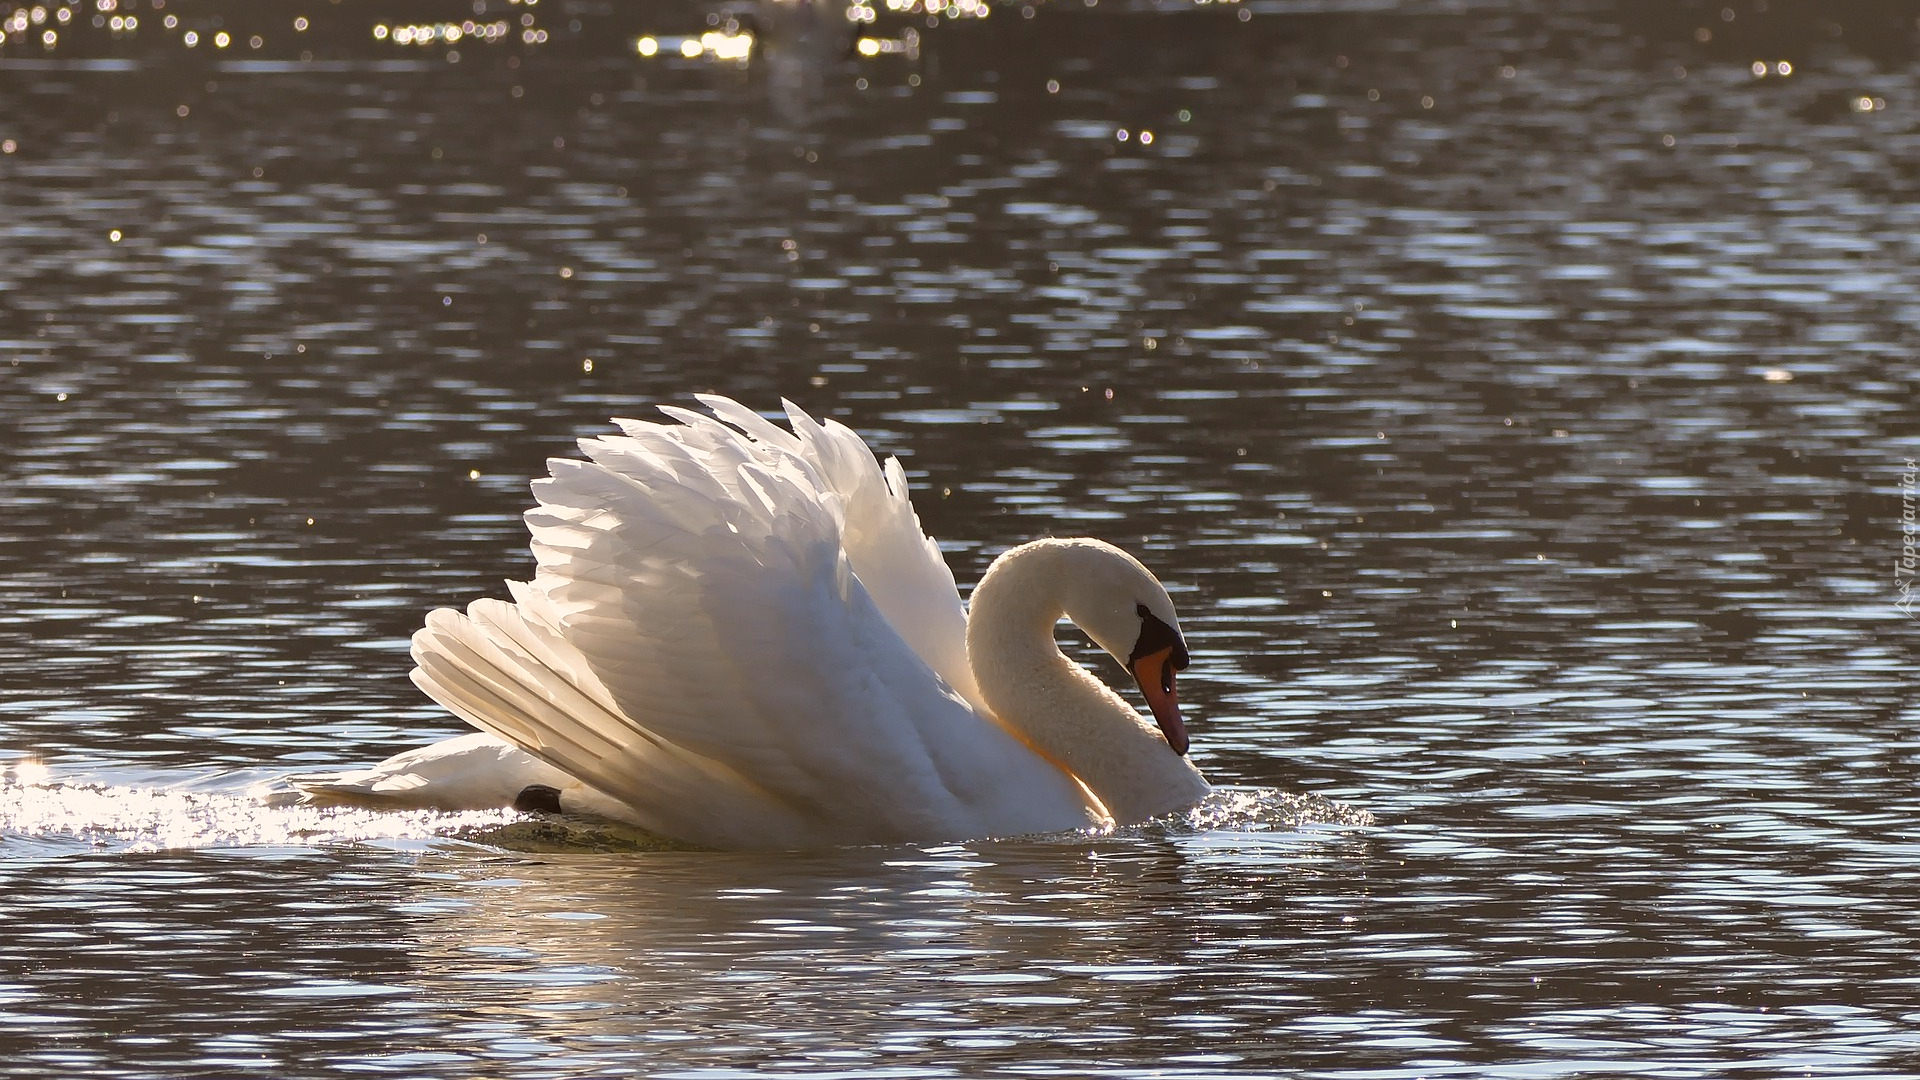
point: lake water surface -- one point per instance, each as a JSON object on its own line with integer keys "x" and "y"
{"x": 1521, "y": 408}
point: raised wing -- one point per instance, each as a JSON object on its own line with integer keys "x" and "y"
{"x": 697, "y": 642}
{"x": 894, "y": 558}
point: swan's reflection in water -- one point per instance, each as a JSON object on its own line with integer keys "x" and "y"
{"x": 892, "y": 952}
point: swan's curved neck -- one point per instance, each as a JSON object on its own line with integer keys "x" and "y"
{"x": 1054, "y": 703}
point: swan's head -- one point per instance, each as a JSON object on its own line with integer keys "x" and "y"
{"x": 1127, "y": 612}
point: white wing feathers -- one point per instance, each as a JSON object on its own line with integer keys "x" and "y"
{"x": 900, "y": 565}
{"x": 743, "y": 633}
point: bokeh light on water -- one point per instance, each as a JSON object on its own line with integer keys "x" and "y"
{"x": 1517, "y": 402}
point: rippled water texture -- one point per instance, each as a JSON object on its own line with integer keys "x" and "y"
{"x": 1520, "y": 406}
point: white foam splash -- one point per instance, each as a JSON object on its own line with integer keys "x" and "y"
{"x": 65, "y": 816}
{"x": 52, "y": 816}
{"x": 1270, "y": 809}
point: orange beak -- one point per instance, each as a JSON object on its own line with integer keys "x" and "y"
{"x": 1154, "y": 673}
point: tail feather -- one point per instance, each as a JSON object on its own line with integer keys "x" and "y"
{"x": 501, "y": 670}
{"x": 477, "y": 681}
{"x": 523, "y": 700}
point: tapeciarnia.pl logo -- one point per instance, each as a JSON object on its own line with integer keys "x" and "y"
{"x": 1905, "y": 566}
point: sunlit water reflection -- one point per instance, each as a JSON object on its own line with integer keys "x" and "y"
{"x": 48, "y": 816}
{"x": 1518, "y": 405}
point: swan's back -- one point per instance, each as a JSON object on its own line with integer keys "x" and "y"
{"x": 701, "y": 641}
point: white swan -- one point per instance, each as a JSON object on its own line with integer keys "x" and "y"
{"x": 739, "y": 637}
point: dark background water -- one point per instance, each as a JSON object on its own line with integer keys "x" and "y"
{"x": 1517, "y": 403}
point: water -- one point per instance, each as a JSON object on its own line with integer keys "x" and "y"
{"x": 1517, "y": 405}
